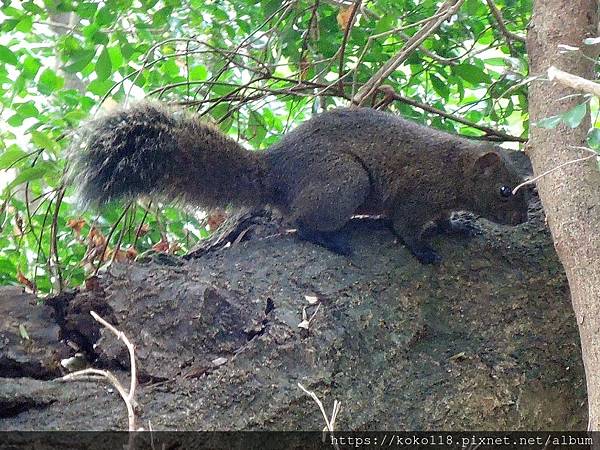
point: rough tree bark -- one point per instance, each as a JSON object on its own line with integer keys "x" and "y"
{"x": 484, "y": 341}
{"x": 571, "y": 196}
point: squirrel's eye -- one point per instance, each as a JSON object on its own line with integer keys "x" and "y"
{"x": 505, "y": 191}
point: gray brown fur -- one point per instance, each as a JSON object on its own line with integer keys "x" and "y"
{"x": 335, "y": 165}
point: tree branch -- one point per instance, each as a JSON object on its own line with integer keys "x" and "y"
{"x": 349, "y": 26}
{"x": 444, "y": 12}
{"x": 573, "y": 81}
{"x": 499, "y": 135}
{"x": 509, "y": 35}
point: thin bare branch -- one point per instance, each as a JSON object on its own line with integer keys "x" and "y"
{"x": 560, "y": 166}
{"x": 347, "y": 30}
{"x": 573, "y": 81}
{"x": 491, "y": 132}
{"x": 448, "y": 9}
{"x": 95, "y": 374}
{"x": 509, "y": 35}
{"x": 329, "y": 422}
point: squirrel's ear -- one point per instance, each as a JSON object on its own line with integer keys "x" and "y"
{"x": 485, "y": 164}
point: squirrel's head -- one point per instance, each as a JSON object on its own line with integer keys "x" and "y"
{"x": 493, "y": 176}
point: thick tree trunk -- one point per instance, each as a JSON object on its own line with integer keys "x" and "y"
{"x": 571, "y": 196}
{"x": 470, "y": 344}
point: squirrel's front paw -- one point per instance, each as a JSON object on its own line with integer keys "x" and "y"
{"x": 462, "y": 227}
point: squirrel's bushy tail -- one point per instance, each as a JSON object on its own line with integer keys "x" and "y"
{"x": 151, "y": 150}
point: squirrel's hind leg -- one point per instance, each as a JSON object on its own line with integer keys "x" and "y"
{"x": 334, "y": 241}
{"x": 327, "y": 203}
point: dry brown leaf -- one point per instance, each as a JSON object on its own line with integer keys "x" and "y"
{"x": 21, "y": 278}
{"x": 131, "y": 253}
{"x": 18, "y": 226}
{"x": 142, "y": 230}
{"x": 92, "y": 283}
{"x": 216, "y": 218}
{"x": 120, "y": 256}
{"x": 76, "y": 225}
{"x": 96, "y": 238}
{"x": 304, "y": 66}
{"x": 162, "y": 246}
{"x": 343, "y": 17}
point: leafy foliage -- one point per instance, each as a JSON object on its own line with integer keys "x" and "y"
{"x": 254, "y": 67}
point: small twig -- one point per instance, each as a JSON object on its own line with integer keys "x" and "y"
{"x": 349, "y": 26}
{"x": 509, "y": 35}
{"x": 435, "y": 57}
{"x": 573, "y": 81}
{"x": 490, "y": 131}
{"x": 445, "y": 11}
{"x": 120, "y": 335}
{"x": 568, "y": 163}
{"x": 95, "y": 374}
{"x": 147, "y": 60}
{"x": 305, "y": 320}
{"x": 108, "y": 238}
{"x": 53, "y": 238}
{"x": 329, "y": 423}
{"x": 141, "y": 226}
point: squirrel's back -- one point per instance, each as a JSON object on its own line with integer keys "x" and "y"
{"x": 402, "y": 159}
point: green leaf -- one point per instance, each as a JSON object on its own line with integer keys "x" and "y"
{"x": 472, "y": 7}
{"x": 32, "y": 7}
{"x": 49, "y": 82}
{"x": 384, "y": 24}
{"x": 27, "y": 109}
{"x": 439, "y": 86}
{"x": 161, "y": 17}
{"x": 549, "y": 122}
{"x": 256, "y": 129}
{"x": 198, "y": 73}
{"x": 10, "y": 156}
{"x": 593, "y": 138}
{"x": 471, "y": 73}
{"x": 8, "y": 56}
{"x": 100, "y": 38}
{"x": 574, "y": 117}
{"x": 16, "y": 120}
{"x": 116, "y": 58}
{"x": 25, "y": 24}
{"x": 80, "y": 59}
{"x": 105, "y": 17}
{"x": 99, "y": 87}
{"x": 42, "y": 140}
{"x": 9, "y": 24}
{"x": 501, "y": 62}
{"x": 31, "y": 173}
{"x": 149, "y": 4}
{"x": 86, "y": 10}
{"x": 103, "y": 65}
{"x": 30, "y": 67}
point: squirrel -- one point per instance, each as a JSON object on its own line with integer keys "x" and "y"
{"x": 337, "y": 164}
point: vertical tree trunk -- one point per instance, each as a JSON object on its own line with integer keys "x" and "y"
{"x": 571, "y": 195}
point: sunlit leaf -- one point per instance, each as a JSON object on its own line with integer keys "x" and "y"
{"x": 103, "y": 65}
{"x": 549, "y": 122}
{"x": 575, "y": 116}
{"x": 8, "y": 56}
